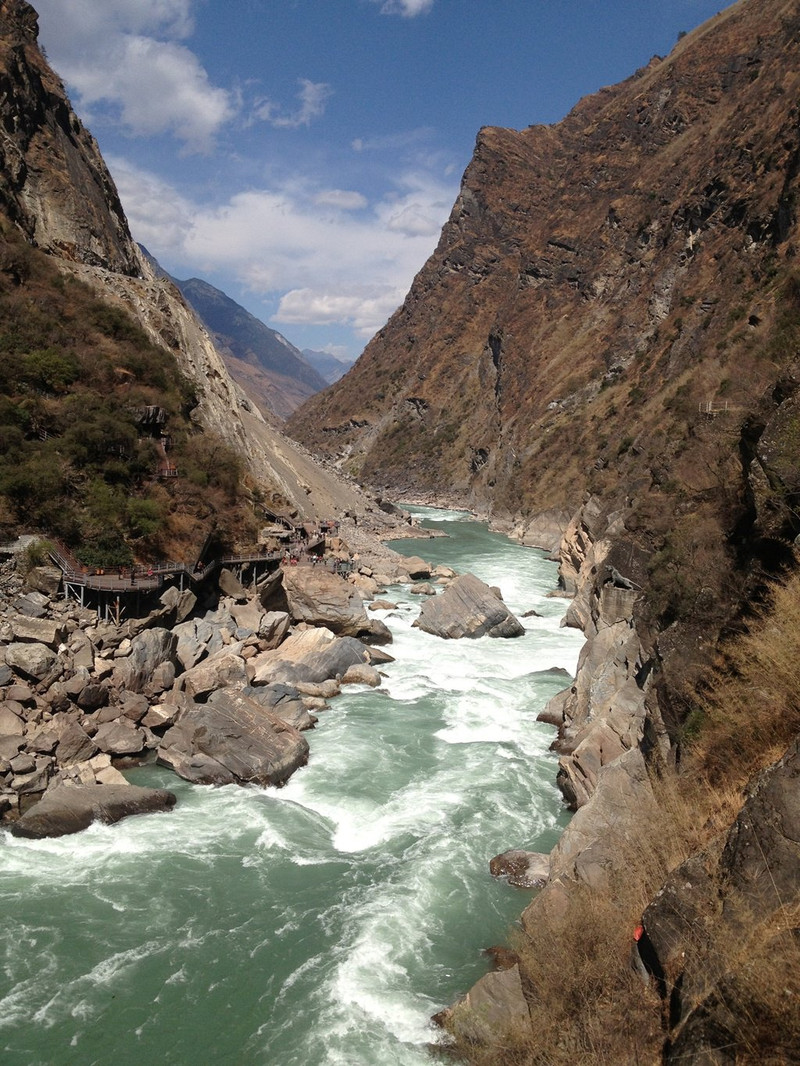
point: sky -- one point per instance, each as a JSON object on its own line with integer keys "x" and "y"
{"x": 303, "y": 155}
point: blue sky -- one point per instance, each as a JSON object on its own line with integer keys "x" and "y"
{"x": 303, "y": 155}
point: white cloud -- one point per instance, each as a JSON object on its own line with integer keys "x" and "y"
{"x": 126, "y": 54}
{"x": 406, "y": 8}
{"x": 343, "y": 199}
{"x": 312, "y": 97}
{"x": 285, "y": 243}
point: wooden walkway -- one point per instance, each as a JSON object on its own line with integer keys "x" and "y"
{"x": 115, "y": 586}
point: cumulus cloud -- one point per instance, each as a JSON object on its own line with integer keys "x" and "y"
{"x": 312, "y": 97}
{"x": 318, "y": 265}
{"x": 127, "y": 54}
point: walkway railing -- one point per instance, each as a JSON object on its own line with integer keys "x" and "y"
{"x": 127, "y": 579}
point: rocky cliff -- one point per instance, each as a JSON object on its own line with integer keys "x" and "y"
{"x": 56, "y": 190}
{"x": 610, "y": 327}
{"x": 597, "y": 283}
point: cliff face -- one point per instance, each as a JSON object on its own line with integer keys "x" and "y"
{"x": 56, "y": 190}
{"x": 597, "y": 281}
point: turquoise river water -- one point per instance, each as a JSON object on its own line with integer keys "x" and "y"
{"x": 320, "y": 924}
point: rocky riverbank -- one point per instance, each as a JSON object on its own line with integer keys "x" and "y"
{"x": 218, "y": 682}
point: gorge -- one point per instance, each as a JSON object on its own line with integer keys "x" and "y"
{"x": 601, "y": 357}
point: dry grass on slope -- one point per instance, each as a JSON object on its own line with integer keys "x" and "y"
{"x": 587, "y": 1002}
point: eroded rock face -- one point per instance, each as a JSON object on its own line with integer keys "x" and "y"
{"x": 468, "y": 608}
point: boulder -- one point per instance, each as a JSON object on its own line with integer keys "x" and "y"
{"x": 416, "y": 568}
{"x": 230, "y": 585}
{"x": 34, "y": 604}
{"x": 382, "y": 605}
{"x": 44, "y": 579}
{"x": 225, "y": 667}
{"x": 274, "y": 627}
{"x": 319, "y": 598}
{"x": 36, "y": 630}
{"x": 74, "y": 745}
{"x": 232, "y": 739}
{"x": 31, "y": 660}
{"x": 285, "y": 701}
{"x": 525, "y": 869}
{"x": 468, "y": 608}
{"x": 148, "y": 650}
{"x": 71, "y": 808}
{"x": 179, "y": 603}
{"x": 494, "y": 1003}
{"x": 310, "y": 655}
{"x": 362, "y": 674}
{"x": 379, "y": 633}
{"x": 11, "y": 724}
{"x": 120, "y": 737}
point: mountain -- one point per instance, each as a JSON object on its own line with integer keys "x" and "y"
{"x": 328, "y": 366}
{"x": 275, "y": 374}
{"x": 603, "y": 354}
{"x": 92, "y": 333}
{"x": 597, "y": 281}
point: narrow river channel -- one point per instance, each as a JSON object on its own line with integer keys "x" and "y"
{"x": 320, "y": 924}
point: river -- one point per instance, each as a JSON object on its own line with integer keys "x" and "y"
{"x": 320, "y": 924}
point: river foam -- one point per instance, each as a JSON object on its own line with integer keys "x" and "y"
{"x": 322, "y": 923}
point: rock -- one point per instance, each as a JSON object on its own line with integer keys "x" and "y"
{"x": 181, "y": 604}
{"x": 416, "y": 568}
{"x": 274, "y": 627}
{"x": 382, "y": 605}
{"x": 69, "y": 808}
{"x": 494, "y": 1003}
{"x": 362, "y": 674}
{"x": 232, "y": 739}
{"x": 310, "y": 655}
{"x": 20, "y": 694}
{"x": 231, "y": 586}
{"x": 320, "y": 598}
{"x": 160, "y": 715}
{"x": 93, "y": 696}
{"x": 148, "y": 650}
{"x": 44, "y": 579}
{"x": 10, "y": 746}
{"x": 225, "y": 668}
{"x": 525, "y": 869}
{"x": 468, "y": 608}
{"x": 31, "y": 660}
{"x": 33, "y": 604}
{"x": 423, "y": 588}
{"x": 11, "y": 724}
{"x": 286, "y": 702}
{"x": 74, "y": 745}
{"x": 120, "y": 737}
{"x": 36, "y": 780}
{"x": 379, "y": 633}
{"x": 36, "y": 630}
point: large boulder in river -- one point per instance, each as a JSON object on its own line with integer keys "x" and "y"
{"x": 69, "y": 808}
{"x": 320, "y": 598}
{"x": 468, "y": 608}
{"x": 232, "y": 740}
